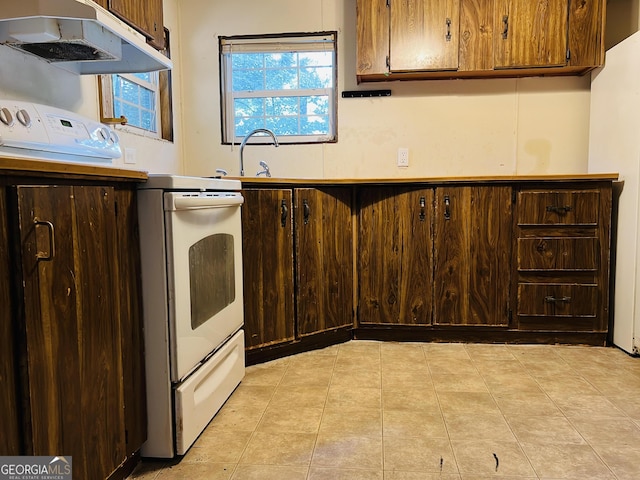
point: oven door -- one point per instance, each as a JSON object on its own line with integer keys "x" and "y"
{"x": 204, "y": 270}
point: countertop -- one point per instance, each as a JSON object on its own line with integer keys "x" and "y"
{"x": 262, "y": 181}
{"x": 27, "y": 167}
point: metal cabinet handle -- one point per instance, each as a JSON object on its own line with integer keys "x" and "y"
{"x": 423, "y": 204}
{"x": 283, "y": 213}
{"x": 505, "y": 27}
{"x": 448, "y": 35}
{"x": 306, "y": 211}
{"x": 52, "y": 240}
{"x": 558, "y": 210}
{"x": 447, "y": 208}
{"x": 551, "y": 299}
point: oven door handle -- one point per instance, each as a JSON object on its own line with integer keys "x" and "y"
{"x": 189, "y": 203}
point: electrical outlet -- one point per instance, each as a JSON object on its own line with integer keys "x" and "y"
{"x": 403, "y": 157}
{"x": 130, "y": 155}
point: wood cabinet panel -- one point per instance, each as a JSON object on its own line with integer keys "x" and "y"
{"x": 530, "y": 33}
{"x": 324, "y": 255}
{"x": 395, "y": 260}
{"x": 476, "y": 35}
{"x": 424, "y": 35}
{"x": 472, "y": 255}
{"x": 373, "y": 37}
{"x": 145, "y": 16}
{"x": 482, "y": 38}
{"x": 267, "y": 248}
{"x": 10, "y": 439}
{"x": 586, "y": 32}
{"x": 130, "y": 312}
{"x": 558, "y": 207}
{"x": 72, "y": 328}
{"x": 557, "y": 300}
{"x": 558, "y": 254}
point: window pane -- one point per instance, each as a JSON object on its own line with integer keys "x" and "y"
{"x": 281, "y": 60}
{"x": 249, "y": 107}
{"x": 244, "y": 125}
{"x": 247, "y": 61}
{"x": 316, "y": 77}
{"x": 146, "y": 98}
{"x": 316, "y": 59}
{"x": 143, "y": 76}
{"x": 248, "y": 80}
{"x": 314, "y": 105}
{"x": 283, "y": 125}
{"x": 279, "y": 106}
{"x": 281, "y": 79}
{"x": 314, "y": 125}
{"x": 147, "y": 120}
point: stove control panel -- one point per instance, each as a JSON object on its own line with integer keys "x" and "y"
{"x": 41, "y": 129}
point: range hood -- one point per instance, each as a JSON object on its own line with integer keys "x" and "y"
{"x": 77, "y": 35}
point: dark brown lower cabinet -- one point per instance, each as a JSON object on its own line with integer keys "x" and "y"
{"x": 324, "y": 254}
{"x": 72, "y": 356}
{"x": 472, "y": 248}
{"x": 267, "y": 249}
{"x": 10, "y": 440}
{"x": 562, "y": 257}
{"x": 285, "y": 301}
{"x": 70, "y": 270}
{"x": 395, "y": 255}
{"x": 502, "y": 260}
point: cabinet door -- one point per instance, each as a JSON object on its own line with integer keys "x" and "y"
{"x": 472, "y": 255}
{"x": 324, "y": 255}
{"x": 373, "y": 37}
{"x": 145, "y": 16}
{"x": 68, "y": 236}
{"x": 530, "y": 33}
{"x": 130, "y": 311}
{"x": 10, "y": 438}
{"x": 424, "y": 35}
{"x": 395, "y": 261}
{"x": 267, "y": 249}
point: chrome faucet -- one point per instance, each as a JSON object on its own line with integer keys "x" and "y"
{"x": 265, "y": 170}
{"x": 244, "y": 142}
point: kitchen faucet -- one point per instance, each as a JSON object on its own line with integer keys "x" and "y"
{"x": 244, "y": 142}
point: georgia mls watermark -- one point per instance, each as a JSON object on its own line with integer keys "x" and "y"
{"x": 35, "y": 468}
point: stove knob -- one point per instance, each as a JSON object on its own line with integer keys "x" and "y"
{"x": 23, "y": 117}
{"x": 6, "y": 117}
{"x": 104, "y": 133}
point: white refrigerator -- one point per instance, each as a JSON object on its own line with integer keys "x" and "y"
{"x": 614, "y": 146}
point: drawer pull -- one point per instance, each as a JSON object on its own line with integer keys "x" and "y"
{"x": 447, "y": 208}
{"x": 46, "y": 256}
{"x": 551, "y": 299}
{"x": 423, "y": 204}
{"x": 306, "y": 211}
{"x": 559, "y": 210}
{"x": 283, "y": 213}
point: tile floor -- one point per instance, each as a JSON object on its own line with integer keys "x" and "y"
{"x": 403, "y": 411}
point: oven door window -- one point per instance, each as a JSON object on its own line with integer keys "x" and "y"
{"x": 211, "y": 276}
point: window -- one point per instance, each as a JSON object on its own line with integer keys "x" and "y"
{"x": 144, "y": 99}
{"x": 136, "y": 97}
{"x": 286, "y": 84}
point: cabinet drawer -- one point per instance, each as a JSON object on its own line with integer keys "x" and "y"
{"x": 557, "y": 300}
{"x": 568, "y": 207}
{"x": 558, "y": 254}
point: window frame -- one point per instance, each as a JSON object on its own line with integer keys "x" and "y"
{"x": 284, "y": 42}
{"x": 163, "y": 102}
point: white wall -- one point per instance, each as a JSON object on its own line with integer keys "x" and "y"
{"x": 26, "y": 78}
{"x": 459, "y": 127}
